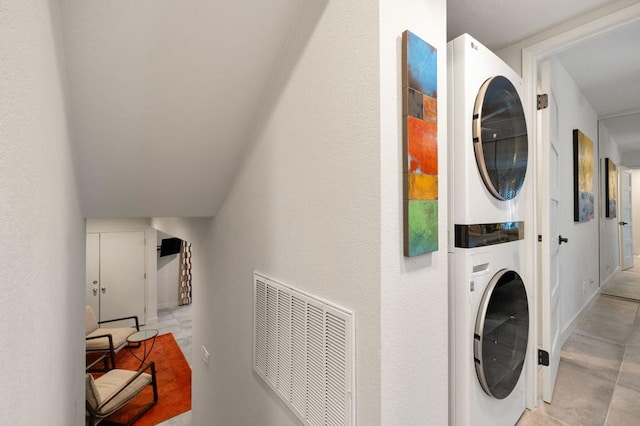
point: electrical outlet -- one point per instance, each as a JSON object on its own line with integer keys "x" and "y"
{"x": 205, "y": 356}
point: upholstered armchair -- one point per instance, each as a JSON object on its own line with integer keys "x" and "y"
{"x": 110, "y": 392}
{"x": 105, "y": 339}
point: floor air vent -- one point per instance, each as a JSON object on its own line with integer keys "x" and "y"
{"x": 303, "y": 348}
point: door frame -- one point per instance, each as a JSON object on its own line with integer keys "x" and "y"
{"x": 531, "y": 55}
{"x": 622, "y": 170}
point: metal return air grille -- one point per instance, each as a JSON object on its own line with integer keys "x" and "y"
{"x": 303, "y": 348}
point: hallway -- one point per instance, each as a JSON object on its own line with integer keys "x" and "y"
{"x": 177, "y": 320}
{"x": 599, "y": 376}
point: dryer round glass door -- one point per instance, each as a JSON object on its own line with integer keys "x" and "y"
{"x": 501, "y": 334}
{"x": 500, "y": 138}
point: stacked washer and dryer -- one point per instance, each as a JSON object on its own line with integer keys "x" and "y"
{"x": 489, "y": 312}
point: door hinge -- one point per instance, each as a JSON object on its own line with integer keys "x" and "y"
{"x": 539, "y": 238}
{"x": 145, "y": 275}
{"x": 543, "y": 101}
{"x": 543, "y": 357}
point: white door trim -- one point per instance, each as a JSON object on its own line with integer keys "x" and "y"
{"x": 530, "y": 56}
{"x": 625, "y": 217}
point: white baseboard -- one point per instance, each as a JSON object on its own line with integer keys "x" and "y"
{"x": 151, "y": 321}
{"x": 578, "y": 317}
{"x": 606, "y": 280}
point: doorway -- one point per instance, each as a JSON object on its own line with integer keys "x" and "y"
{"x": 163, "y": 296}
{"x": 589, "y": 286}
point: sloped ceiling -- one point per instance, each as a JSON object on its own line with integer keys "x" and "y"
{"x": 163, "y": 95}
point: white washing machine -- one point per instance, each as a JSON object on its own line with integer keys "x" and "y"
{"x": 488, "y": 335}
{"x": 489, "y": 310}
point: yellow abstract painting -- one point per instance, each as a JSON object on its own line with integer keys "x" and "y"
{"x": 583, "y": 207}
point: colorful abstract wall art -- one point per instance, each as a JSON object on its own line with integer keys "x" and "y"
{"x": 611, "y": 188}
{"x": 420, "y": 145}
{"x": 583, "y": 202}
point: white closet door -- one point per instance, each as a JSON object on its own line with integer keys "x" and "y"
{"x": 626, "y": 216}
{"x": 123, "y": 275}
{"x": 551, "y": 254}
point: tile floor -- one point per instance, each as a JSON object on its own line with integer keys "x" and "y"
{"x": 176, "y": 320}
{"x": 599, "y": 376}
{"x": 624, "y": 284}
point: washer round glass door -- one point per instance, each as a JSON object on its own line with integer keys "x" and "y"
{"x": 501, "y": 334}
{"x": 500, "y": 138}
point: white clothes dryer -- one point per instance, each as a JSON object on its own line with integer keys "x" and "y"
{"x": 489, "y": 310}
{"x": 488, "y": 144}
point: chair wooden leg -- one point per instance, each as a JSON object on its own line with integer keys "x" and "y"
{"x": 90, "y": 417}
{"x": 104, "y": 358}
{"x": 154, "y": 383}
{"x": 154, "y": 386}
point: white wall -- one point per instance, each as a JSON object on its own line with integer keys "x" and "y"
{"x": 635, "y": 203}
{"x": 579, "y": 258}
{"x": 196, "y": 231}
{"x": 41, "y": 227}
{"x": 609, "y": 228}
{"x": 413, "y": 290}
{"x": 168, "y": 270}
{"x": 304, "y": 209}
{"x": 136, "y": 224}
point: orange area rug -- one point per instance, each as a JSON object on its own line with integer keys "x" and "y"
{"x": 174, "y": 383}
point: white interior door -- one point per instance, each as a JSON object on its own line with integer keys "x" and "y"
{"x": 92, "y": 276}
{"x": 626, "y": 229}
{"x": 123, "y": 275}
{"x": 549, "y": 196}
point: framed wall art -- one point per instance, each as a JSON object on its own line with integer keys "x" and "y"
{"x": 583, "y": 202}
{"x": 611, "y": 188}
{"x": 420, "y": 145}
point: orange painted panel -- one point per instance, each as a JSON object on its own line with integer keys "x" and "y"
{"x": 422, "y": 146}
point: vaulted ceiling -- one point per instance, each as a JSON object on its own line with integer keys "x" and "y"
{"x": 163, "y": 95}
